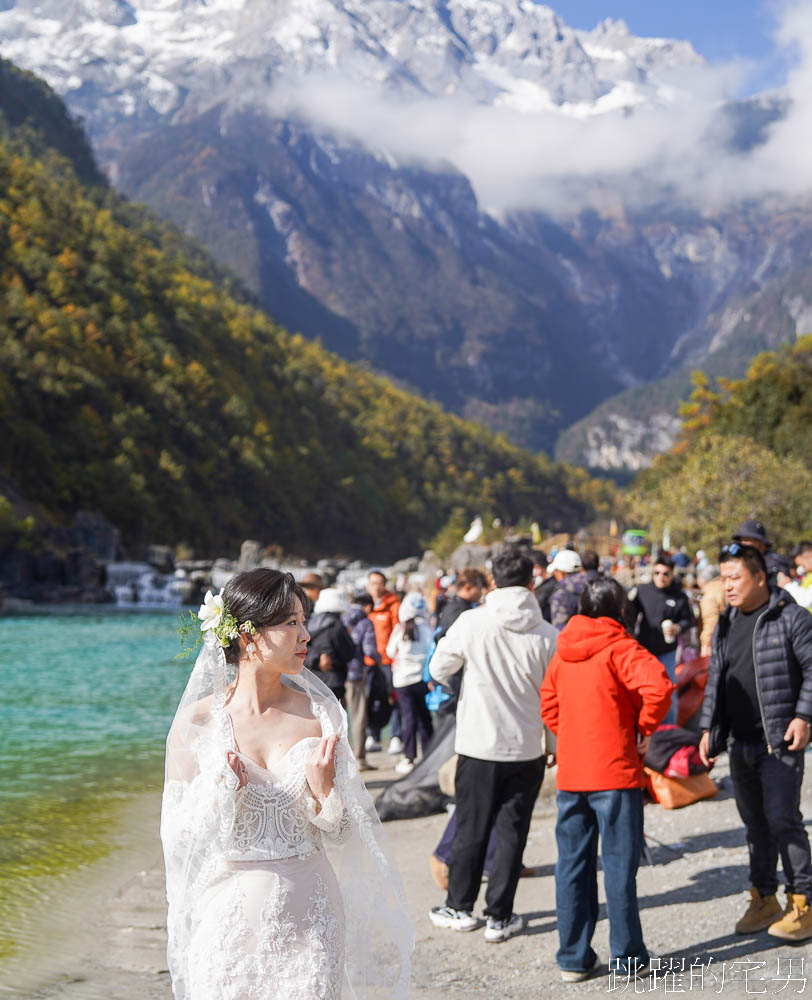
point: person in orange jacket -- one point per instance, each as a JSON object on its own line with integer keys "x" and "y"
{"x": 603, "y": 696}
{"x": 384, "y": 618}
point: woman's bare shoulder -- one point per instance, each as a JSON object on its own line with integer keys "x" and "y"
{"x": 196, "y": 713}
{"x": 299, "y": 705}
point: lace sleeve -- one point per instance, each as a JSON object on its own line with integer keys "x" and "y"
{"x": 201, "y": 810}
{"x": 332, "y": 819}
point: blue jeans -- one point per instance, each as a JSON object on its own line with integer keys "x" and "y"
{"x": 617, "y": 815}
{"x": 669, "y": 661}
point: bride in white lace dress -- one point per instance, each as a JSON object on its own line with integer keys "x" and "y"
{"x": 260, "y": 782}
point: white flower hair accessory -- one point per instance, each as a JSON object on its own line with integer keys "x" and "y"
{"x": 215, "y": 617}
{"x": 211, "y": 611}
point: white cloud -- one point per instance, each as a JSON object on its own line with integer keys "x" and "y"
{"x": 559, "y": 161}
{"x": 786, "y": 159}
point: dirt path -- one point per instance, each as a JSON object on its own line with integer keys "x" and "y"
{"x": 690, "y": 899}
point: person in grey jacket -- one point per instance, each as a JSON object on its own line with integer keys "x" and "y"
{"x": 758, "y": 705}
{"x": 362, "y": 633}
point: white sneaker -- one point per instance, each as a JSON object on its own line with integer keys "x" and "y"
{"x": 501, "y": 930}
{"x": 395, "y": 746}
{"x": 456, "y": 920}
{"x": 573, "y": 976}
{"x": 372, "y": 745}
{"x": 404, "y": 766}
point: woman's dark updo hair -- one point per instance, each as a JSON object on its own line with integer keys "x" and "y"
{"x": 605, "y": 598}
{"x": 264, "y": 597}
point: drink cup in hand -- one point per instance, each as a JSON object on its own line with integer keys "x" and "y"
{"x": 670, "y": 630}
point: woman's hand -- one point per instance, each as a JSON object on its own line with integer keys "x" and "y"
{"x": 320, "y": 767}
{"x": 238, "y": 767}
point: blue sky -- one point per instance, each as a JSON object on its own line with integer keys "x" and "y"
{"x": 720, "y": 30}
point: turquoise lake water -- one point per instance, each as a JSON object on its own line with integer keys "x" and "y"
{"x": 86, "y": 705}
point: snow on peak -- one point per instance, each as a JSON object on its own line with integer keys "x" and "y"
{"x": 117, "y": 58}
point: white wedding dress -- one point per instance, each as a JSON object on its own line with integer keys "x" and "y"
{"x": 257, "y": 911}
{"x": 270, "y": 925}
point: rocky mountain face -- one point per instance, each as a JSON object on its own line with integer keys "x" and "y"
{"x": 524, "y": 320}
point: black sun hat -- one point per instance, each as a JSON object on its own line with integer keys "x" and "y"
{"x": 752, "y": 529}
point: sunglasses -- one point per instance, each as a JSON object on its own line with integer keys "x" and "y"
{"x": 737, "y": 549}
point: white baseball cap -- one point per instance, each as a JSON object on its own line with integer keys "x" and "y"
{"x": 567, "y": 561}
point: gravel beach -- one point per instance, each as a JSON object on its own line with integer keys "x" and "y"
{"x": 113, "y": 947}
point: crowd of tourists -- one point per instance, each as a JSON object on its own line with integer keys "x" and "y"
{"x": 573, "y": 659}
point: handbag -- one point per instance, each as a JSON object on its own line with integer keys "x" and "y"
{"x": 675, "y": 793}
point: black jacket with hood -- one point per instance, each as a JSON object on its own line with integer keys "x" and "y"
{"x": 782, "y": 654}
{"x": 452, "y": 609}
{"x": 329, "y": 635}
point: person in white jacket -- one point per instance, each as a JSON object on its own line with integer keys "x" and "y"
{"x": 505, "y": 646}
{"x": 407, "y": 649}
{"x": 800, "y": 590}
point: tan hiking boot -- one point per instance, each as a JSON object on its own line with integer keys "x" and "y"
{"x": 762, "y": 911}
{"x": 796, "y": 924}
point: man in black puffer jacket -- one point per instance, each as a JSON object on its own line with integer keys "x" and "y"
{"x": 758, "y": 703}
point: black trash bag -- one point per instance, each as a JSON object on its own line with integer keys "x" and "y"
{"x": 418, "y": 793}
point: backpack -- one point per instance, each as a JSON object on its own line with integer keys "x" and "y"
{"x": 319, "y": 643}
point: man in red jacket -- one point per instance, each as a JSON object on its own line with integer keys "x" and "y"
{"x": 384, "y": 618}
{"x": 603, "y": 696}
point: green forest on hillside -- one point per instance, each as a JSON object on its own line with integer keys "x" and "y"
{"x": 135, "y": 381}
{"x": 745, "y": 450}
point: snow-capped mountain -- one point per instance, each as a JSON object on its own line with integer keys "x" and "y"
{"x": 151, "y": 58}
{"x": 518, "y": 319}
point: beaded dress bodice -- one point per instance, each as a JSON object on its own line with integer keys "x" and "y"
{"x": 275, "y": 814}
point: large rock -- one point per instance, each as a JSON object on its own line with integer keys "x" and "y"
{"x": 49, "y": 577}
{"x": 469, "y": 557}
{"x": 251, "y": 553}
{"x": 92, "y": 531}
{"x": 160, "y": 557}
{"x": 431, "y": 565}
{"x": 221, "y": 572}
{"x": 18, "y": 571}
{"x": 409, "y": 565}
{"x": 82, "y": 569}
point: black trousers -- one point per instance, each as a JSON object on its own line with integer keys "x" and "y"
{"x": 414, "y": 718}
{"x": 498, "y": 794}
{"x": 767, "y": 788}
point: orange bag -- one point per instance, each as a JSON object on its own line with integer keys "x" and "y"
{"x": 674, "y": 793}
